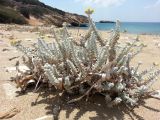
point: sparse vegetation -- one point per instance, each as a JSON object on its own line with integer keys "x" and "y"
{"x": 33, "y": 2}
{"x": 36, "y": 11}
{"x": 8, "y": 15}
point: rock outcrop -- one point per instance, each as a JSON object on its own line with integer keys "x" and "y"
{"x": 106, "y": 21}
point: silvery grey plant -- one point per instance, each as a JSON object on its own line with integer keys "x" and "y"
{"x": 102, "y": 65}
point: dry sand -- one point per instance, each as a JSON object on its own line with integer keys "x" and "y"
{"x": 95, "y": 109}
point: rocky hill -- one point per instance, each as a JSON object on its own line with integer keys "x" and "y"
{"x": 35, "y": 12}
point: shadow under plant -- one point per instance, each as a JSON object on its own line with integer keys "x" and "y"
{"x": 93, "y": 109}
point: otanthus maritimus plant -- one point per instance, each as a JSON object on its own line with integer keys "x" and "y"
{"x": 90, "y": 66}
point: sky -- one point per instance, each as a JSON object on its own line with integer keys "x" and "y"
{"x": 123, "y": 10}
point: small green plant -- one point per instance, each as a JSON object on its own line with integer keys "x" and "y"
{"x": 90, "y": 66}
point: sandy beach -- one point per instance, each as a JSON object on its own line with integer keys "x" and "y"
{"x": 96, "y": 108}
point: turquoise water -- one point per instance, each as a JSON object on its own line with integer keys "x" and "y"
{"x": 133, "y": 27}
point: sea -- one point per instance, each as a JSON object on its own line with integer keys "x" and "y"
{"x": 133, "y": 27}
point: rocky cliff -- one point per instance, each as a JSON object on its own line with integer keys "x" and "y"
{"x": 35, "y": 12}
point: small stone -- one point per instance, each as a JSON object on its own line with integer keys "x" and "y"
{"x": 156, "y": 94}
